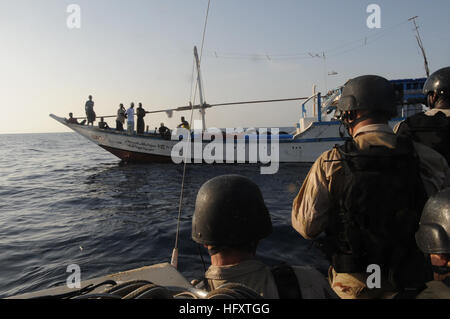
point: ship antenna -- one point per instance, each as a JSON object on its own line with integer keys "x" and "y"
{"x": 174, "y": 259}
{"x": 419, "y": 42}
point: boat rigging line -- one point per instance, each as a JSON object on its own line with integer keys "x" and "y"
{"x": 330, "y": 53}
{"x": 174, "y": 259}
{"x": 206, "y": 105}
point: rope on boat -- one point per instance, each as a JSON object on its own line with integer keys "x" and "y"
{"x": 143, "y": 289}
{"x": 174, "y": 259}
{"x": 191, "y": 106}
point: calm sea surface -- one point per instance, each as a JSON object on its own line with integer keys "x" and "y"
{"x": 66, "y": 201}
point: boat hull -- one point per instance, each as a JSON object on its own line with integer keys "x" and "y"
{"x": 151, "y": 148}
{"x": 136, "y": 157}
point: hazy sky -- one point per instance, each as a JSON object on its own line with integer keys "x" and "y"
{"x": 141, "y": 51}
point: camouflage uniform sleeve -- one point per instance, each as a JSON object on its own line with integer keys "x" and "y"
{"x": 312, "y": 203}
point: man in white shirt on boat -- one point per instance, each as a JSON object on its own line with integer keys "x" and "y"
{"x": 130, "y": 119}
{"x": 320, "y": 207}
{"x": 229, "y": 220}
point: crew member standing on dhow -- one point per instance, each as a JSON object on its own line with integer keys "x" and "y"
{"x": 121, "y": 116}
{"x": 89, "y": 108}
{"x": 130, "y": 119}
{"x": 140, "y": 113}
{"x": 367, "y": 196}
{"x": 432, "y": 127}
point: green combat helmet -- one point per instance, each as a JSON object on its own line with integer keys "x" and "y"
{"x": 368, "y": 92}
{"x": 433, "y": 235}
{"x": 230, "y": 211}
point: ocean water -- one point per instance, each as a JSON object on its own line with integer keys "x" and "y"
{"x": 67, "y": 201}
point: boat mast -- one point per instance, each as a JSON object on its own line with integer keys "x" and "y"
{"x": 200, "y": 89}
{"x": 419, "y": 42}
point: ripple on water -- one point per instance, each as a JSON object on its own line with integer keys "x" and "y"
{"x": 65, "y": 200}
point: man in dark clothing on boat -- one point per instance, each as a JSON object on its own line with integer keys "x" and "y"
{"x": 102, "y": 124}
{"x": 432, "y": 127}
{"x": 184, "y": 124}
{"x": 89, "y": 108}
{"x": 140, "y": 113}
{"x": 164, "y": 131}
{"x": 121, "y": 116}
{"x": 230, "y": 219}
{"x": 71, "y": 119}
{"x": 366, "y": 196}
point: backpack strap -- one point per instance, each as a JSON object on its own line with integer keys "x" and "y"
{"x": 286, "y": 282}
{"x": 348, "y": 147}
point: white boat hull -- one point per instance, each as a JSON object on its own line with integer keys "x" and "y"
{"x": 305, "y": 147}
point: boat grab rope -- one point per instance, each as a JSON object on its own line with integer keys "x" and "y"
{"x": 143, "y": 289}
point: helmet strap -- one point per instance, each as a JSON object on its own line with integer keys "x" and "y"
{"x": 250, "y": 247}
{"x": 213, "y": 250}
{"x": 341, "y": 131}
{"x": 431, "y": 100}
{"x": 441, "y": 270}
{"x": 348, "y": 125}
